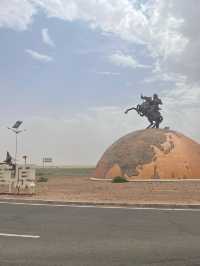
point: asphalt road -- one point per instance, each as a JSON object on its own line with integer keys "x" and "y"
{"x": 66, "y": 236}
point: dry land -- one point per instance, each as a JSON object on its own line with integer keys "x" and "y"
{"x": 75, "y": 185}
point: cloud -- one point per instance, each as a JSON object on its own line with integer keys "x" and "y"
{"x": 46, "y": 38}
{"x": 181, "y": 108}
{"x": 118, "y": 16}
{"x": 16, "y": 14}
{"x": 39, "y": 57}
{"x": 187, "y": 62}
{"x": 123, "y": 60}
{"x": 106, "y": 73}
{"x": 183, "y": 96}
{"x": 167, "y": 29}
{"x": 154, "y": 23}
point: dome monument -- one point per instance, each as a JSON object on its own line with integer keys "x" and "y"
{"x": 151, "y": 154}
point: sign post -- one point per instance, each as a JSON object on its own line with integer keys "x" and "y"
{"x": 46, "y": 160}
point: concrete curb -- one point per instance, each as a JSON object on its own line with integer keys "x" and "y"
{"x": 102, "y": 204}
{"x": 149, "y": 180}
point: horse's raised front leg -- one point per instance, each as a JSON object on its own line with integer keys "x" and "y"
{"x": 130, "y": 109}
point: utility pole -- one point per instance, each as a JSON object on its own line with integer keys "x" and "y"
{"x": 15, "y": 129}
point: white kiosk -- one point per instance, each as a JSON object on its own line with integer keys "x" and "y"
{"x": 13, "y": 175}
{"x": 21, "y": 178}
{"x": 6, "y": 176}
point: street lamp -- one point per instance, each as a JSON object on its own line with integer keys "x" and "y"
{"x": 15, "y": 129}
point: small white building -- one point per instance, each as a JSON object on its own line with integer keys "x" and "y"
{"x": 21, "y": 178}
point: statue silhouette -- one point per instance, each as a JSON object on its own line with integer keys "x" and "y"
{"x": 150, "y": 109}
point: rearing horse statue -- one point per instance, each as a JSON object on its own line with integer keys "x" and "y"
{"x": 150, "y": 109}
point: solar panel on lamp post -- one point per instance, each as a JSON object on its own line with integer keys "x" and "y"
{"x": 15, "y": 129}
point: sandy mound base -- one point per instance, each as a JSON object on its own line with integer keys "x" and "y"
{"x": 151, "y": 154}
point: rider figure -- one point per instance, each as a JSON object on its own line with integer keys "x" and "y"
{"x": 156, "y": 102}
{"x": 146, "y": 105}
{"x": 147, "y": 99}
{"x": 151, "y": 104}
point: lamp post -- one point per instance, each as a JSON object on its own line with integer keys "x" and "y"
{"x": 15, "y": 129}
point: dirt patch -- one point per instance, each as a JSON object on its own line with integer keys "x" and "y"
{"x": 82, "y": 189}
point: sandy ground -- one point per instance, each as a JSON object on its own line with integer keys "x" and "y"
{"x": 82, "y": 189}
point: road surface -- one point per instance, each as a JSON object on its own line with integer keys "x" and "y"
{"x": 85, "y": 236}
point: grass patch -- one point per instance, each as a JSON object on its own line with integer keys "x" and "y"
{"x": 62, "y": 172}
{"x": 41, "y": 177}
{"x": 119, "y": 179}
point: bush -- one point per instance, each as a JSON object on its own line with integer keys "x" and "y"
{"x": 41, "y": 177}
{"x": 119, "y": 179}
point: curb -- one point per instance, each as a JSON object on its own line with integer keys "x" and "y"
{"x": 150, "y": 180}
{"x": 102, "y": 204}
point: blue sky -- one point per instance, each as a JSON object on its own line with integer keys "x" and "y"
{"x": 77, "y": 77}
{"x": 69, "y": 69}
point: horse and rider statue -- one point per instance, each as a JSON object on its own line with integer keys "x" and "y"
{"x": 9, "y": 161}
{"x": 150, "y": 108}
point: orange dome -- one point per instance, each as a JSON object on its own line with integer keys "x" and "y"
{"x": 151, "y": 154}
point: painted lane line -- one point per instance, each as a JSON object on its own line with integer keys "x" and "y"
{"x": 16, "y": 235}
{"x": 102, "y": 207}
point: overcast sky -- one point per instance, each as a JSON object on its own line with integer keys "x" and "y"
{"x": 69, "y": 69}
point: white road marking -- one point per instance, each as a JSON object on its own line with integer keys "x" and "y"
{"x": 73, "y": 205}
{"x": 16, "y": 235}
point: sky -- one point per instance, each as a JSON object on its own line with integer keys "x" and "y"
{"x": 70, "y": 68}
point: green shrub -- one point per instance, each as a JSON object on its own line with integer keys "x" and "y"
{"x": 42, "y": 179}
{"x": 119, "y": 179}
{"x": 39, "y": 174}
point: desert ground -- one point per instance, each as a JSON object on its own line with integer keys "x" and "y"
{"x": 76, "y": 185}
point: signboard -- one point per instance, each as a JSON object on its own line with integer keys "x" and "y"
{"x": 47, "y": 160}
{"x": 26, "y": 178}
{"x": 5, "y": 176}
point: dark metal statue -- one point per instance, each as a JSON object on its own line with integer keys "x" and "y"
{"x": 8, "y": 161}
{"x": 150, "y": 109}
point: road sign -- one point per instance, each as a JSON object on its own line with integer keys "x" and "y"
{"x": 47, "y": 160}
